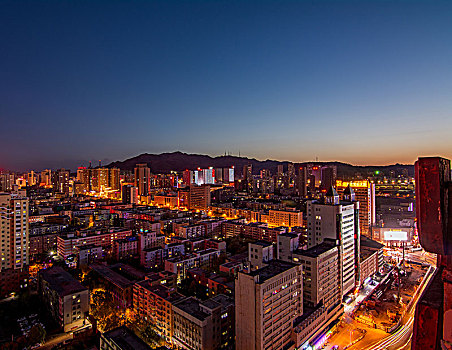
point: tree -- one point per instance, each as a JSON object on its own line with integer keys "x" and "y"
{"x": 36, "y": 335}
{"x": 104, "y": 310}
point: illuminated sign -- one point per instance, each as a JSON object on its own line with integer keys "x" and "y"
{"x": 353, "y": 184}
{"x": 395, "y": 236}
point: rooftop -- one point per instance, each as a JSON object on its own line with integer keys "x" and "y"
{"x": 61, "y": 281}
{"x": 125, "y": 339}
{"x": 161, "y": 291}
{"x": 262, "y": 243}
{"x": 288, "y": 234}
{"x": 370, "y": 243}
{"x": 191, "y": 307}
{"x": 274, "y": 267}
{"x": 111, "y": 276}
{"x": 315, "y": 251}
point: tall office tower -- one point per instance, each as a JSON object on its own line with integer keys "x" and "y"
{"x": 280, "y": 170}
{"x": 228, "y": 175}
{"x": 114, "y": 181}
{"x": 84, "y": 177}
{"x": 61, "y": 181}
{"x": 31, "y": 178}
{"x": 328, "y": 177}
{"x": 302, "y": 181}
{"x": 337, "y": 220}
{"x": 194, "y": 177}
{"x": 142, "y": 179}
{"x": 267, "y": 302}
{"x": 365, "y": 195}
{"x": 199, "y": 197}
{"x": 129, "y": 194}
{"x": 291, "y": 171}
{"x": 6, "y": 181}
{"x": 218, "y": 174}
{"x": 186, "y": 177}
{"x": 265, "y": 174}
{"x": 248, "y": 177}
{"x": 208, "y": 176}
{"x": 46, "y": 177}
{"x": 14, "y": 233}
{"x": 101, "y": 179}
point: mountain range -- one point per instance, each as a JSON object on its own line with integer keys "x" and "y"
{"x": 179, "y": 161}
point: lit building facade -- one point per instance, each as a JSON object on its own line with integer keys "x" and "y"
{"x": 337, "y": 220}
{"x": 365, "y": 195}
{"x": 267, "y": 302}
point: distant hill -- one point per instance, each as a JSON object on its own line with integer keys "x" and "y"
{"x": 179, "y": 161}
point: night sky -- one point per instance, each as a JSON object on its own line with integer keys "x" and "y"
{"x": 365, "y": 82}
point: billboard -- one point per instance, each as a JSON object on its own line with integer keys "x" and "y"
{"x": 395, "y": 236}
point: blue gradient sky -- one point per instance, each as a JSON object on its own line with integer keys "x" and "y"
{"x": 365, "y": 82}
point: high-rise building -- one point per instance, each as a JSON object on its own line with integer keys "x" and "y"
{"x": 267, "y": 302}
{"x": 129, "y": 194}
{"x": 83, "y": 177}
{"x": 6, "y": 181}
{"x": 46, "y": 177}
{"x": 31, "y": 178}
{"x": 365, "y": 195}
{"x": 280, "y": 170}
{"x": 218, "y": 174}
{"x": 328, "y": 177}
{"x": 142, "y": 179}
{"x": 322, "y": 293}
{"x": 187, "y": 177}
{"x": 208, "y": 176}
{"x": 337, "y": 220}
{"x": 228, "y": 175}
{"x": 248, "y": 177}
{"x": 114, "y": 180}
{"x": 291, "y": 170}
{"x": 302, "y": 181}
{"x": 321, "y": 274}
{"x": 61, "y": 183}
{"x": 199, "y": 197}
{"x": 14, "y": 242}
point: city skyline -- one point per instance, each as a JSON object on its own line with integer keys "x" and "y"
{"x": 95, "y": 163}
{"x": 363, "y": 83}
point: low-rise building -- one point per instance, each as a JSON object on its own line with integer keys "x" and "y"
{"x": 371, "y": 258}
{"x": 66, "y": 298}
{"x": 204, "y": 325}
{"x": 67, "y": 243}
{"x": 122, "y": 338}
{"x": 153, "y": 303}
{"x": 125, "y": 248}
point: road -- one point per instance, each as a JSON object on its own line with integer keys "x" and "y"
{"x": 49, "y": 344}
{"x": 376, "y": 339}
{"x": 402, "y": 337}
{"x": 366, "y": 290}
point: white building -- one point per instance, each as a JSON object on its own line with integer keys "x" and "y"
{"x": 337, "y": 220}
{"x": 14, "y": 231}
